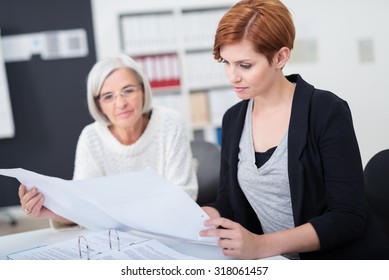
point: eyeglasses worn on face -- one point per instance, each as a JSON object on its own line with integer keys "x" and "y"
{"x": 125, "y": 93}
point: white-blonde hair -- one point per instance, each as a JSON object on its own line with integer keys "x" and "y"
{"x": 101, "y": 70}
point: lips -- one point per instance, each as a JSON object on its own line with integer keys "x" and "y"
{"x": 124, "y": 114}
{"x": 239, "y": 89}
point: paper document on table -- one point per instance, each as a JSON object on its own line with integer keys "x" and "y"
{"x": 103, "y": 245}
{"x": 140, "y": 200}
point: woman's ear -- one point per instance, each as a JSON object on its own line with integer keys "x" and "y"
{"x": 282, "y": 57}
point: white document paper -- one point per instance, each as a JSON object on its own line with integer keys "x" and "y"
{"x": 96, "y": 246}
{"x": 140, "y": 200}
{"x": 151, "y": 249}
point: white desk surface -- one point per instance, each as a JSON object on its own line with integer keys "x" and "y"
{"x": 30, "y": 239}
{"x": 25, "y": 240}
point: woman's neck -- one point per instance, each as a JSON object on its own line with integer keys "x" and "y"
{"x": 279, "y": 96}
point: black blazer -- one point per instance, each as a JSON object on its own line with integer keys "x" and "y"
{"x": 325, "y": 175}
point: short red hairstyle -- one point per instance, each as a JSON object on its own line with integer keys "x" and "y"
{"x": 267, "y": 24}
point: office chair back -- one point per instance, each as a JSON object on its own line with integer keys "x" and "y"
{"x": 207, "y": 157}
{"x": 376, "y": 174}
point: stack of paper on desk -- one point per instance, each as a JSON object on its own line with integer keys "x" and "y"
{"x": 140, "y": 200}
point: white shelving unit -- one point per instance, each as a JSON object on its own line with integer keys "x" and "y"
{"x": 7, "y": 126}
{"x": 173, "y": 41}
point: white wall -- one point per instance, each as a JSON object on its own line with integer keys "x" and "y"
{"x": 337, "y": 26}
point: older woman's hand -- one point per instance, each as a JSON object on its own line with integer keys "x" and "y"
{"x": 32, "y": 202}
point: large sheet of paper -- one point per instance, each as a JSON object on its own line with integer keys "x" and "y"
{"x": 140, "y": 200}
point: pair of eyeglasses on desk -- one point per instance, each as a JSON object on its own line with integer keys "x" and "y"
{"x": 83, "y": 242}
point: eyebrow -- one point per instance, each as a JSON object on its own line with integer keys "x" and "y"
{"x": 245, "y": 60}
{"x": 242, "y": 61}
{"x": 108, "y": 92}
{"x": 130, "y": 85}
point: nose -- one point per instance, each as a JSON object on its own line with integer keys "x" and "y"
{"x": 233, "y": 74}
{"x": 120, "y": 101}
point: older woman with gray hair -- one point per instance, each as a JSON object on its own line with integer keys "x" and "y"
{"x": 128, "y": 134}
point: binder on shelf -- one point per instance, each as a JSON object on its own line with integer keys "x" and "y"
{"x": 161, "y": 70}
{"x": 148, "y": 32}
{"x": 199, "y": 109}
{"x": 169, "y": 99}
{"x": 200, "y": 26}
{"x": 204, "y": 71}
{"x": 219, "y": 135}
{"x": 102, "y": 245}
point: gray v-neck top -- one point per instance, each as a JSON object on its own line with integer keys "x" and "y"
{"x": 266, "y": 188}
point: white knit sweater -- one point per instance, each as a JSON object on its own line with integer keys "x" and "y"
{"x": 164, "y": 146}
